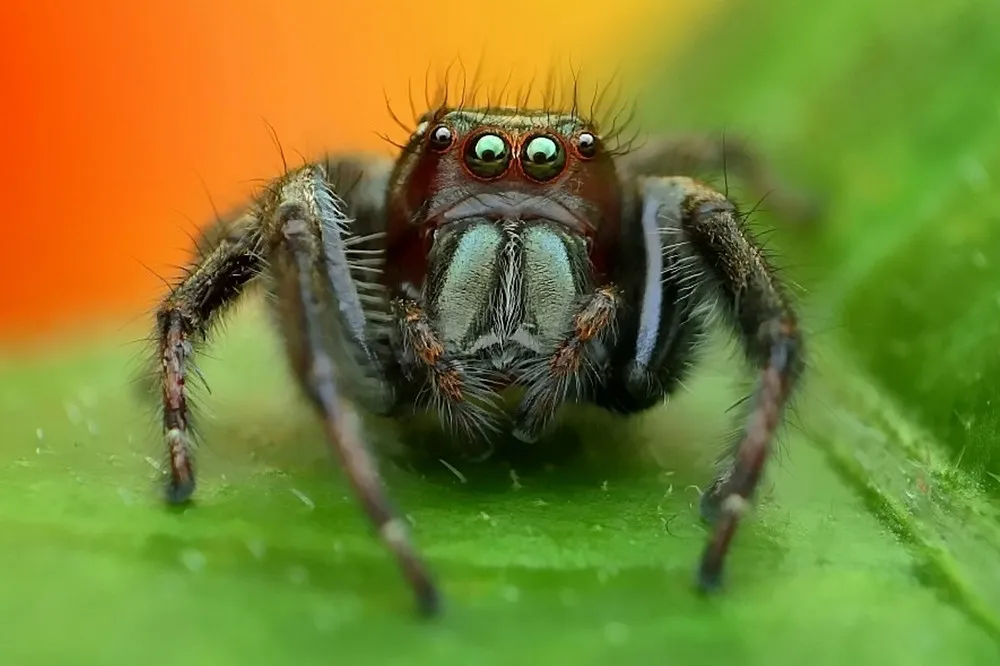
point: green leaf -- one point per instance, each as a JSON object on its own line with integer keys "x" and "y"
{"x": 876, "y": 538}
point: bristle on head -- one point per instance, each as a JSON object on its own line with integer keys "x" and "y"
{"x": 559, "y": 92}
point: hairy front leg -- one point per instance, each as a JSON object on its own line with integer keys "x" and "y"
{"x": 228, "y": 258}
{"x": 320, "y": 317}
{"x": 708, "y": 250}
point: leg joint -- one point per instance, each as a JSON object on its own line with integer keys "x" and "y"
{"x": 783, "y": 340}
{"x": 292, "y": 218}
{"x": 710, "y": 204}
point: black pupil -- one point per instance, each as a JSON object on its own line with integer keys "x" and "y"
{"x": 487, "y": 155}
{"x": 543, "y": 157}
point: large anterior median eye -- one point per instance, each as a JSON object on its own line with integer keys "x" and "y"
{"x": 487, "y": 155}
{"x": 543, "y": 157}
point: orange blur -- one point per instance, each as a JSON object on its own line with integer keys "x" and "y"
{"x": 116, "y": 112}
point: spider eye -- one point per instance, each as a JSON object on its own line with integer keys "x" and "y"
{"x": 487, "y": 155}
{"x": 441, "y": 138}
{"x": 543, "y": 157}
{"x": 586, "y": 145}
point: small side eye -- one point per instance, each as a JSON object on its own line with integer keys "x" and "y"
{"x": 487, "y": 155}
{"x": 441, "y": 138}
{"x": 586, "y": 145}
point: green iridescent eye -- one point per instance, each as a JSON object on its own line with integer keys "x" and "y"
{"x": 487, "y": 155}
{"x": 543, "y": 157}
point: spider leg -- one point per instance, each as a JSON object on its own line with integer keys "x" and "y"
{"x": 317, "y": 299}
{"x": 229, "y": 259}
{"x": 572, "y": 369}
{"x": 697, "y": 156}
{"x": 697, "y": 241}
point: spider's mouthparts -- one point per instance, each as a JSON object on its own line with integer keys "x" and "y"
{"x": 512, "y": 206}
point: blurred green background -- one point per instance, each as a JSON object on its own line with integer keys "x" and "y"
{"x": 876, "y": 540}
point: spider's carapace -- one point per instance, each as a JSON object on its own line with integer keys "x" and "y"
{"x": 505, "y": 164}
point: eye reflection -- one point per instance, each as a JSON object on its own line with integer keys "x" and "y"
{"x": 487, "y": 155}
{"x": 543, "y": 157}
{"x": 586, "y": 144}
{"x": 441, "y": 137}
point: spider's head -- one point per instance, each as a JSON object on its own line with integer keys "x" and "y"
{"x": 505, "y": 166}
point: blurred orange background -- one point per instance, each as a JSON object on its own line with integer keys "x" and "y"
{"x": 121, "y": 117}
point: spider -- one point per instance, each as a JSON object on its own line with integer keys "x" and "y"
{"x": 504, "y": 247}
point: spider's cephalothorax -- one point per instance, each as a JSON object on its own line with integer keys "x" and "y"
{"x": 501, "y": 226}
{"x": 502, "y": 248}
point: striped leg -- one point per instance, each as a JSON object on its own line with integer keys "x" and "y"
{"x": 324, "y": 325}
{"x": 699, "y": 258}
{"x": 228, "y": 260}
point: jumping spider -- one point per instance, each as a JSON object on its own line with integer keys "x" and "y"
{"x": 503, "y": 247}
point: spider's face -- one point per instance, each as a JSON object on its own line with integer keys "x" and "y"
{"x": 503, "y": 166}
